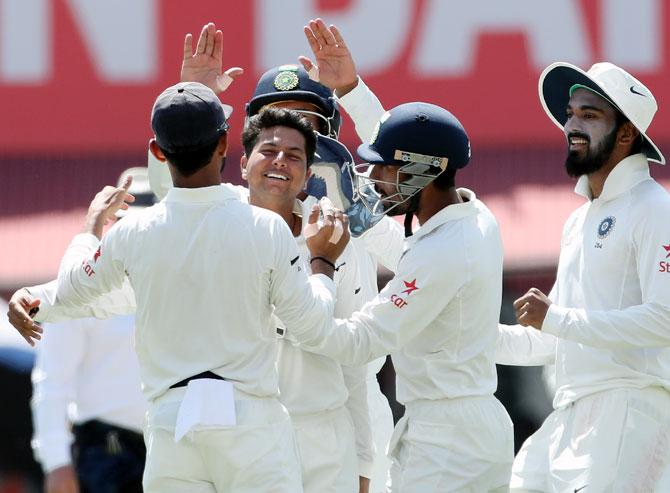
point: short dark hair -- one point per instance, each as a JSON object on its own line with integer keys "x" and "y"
{"x": 188, "y": 160}
{"x": 278, "y": 117}
{"x": 445, "y": 180}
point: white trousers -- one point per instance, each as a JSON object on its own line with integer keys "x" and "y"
{"x": 612, "y": 441}
{"x": 327, "y": 450}
{"x": 258, "y": 455}
{"x": 452, "y": 445}
{"x": 381, "y": 420}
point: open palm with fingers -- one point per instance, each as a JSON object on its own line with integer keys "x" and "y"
{"x": 336, "y": 68}
{"x": 205, "y": 64}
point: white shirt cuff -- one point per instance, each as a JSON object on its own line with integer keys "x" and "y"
{"x": 365, "y": 468}
{"x": 326, "y": 282}
{"x": 354, "y": 98}
{"x": 553, "y": 320}
{"x": 85, "y": 239}
{"x": 46, "y": 294}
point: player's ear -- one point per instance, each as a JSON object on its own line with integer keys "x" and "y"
{"x": 156, "y": 151}
{"x": 223, "y": 145}
{"x": 308, "y": 175}
{"x": 243, "y": 166}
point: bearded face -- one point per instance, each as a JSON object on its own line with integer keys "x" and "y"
{"x": 591, "y": 156}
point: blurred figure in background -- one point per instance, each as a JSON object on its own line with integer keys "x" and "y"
{"x": 87, "y": 376}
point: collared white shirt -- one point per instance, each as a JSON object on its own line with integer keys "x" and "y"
{"x": 308, "y": 382}
{"x": 207, "y": 271}
{"x": 439, "y": 315}
{"x": 89, "y": 363}
{"x": 611, "y": 308}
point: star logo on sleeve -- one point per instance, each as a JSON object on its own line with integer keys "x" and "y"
{"x": 96, "y": 255}
{"x": 667, "y": 249}
{"x": 411, "y": 287}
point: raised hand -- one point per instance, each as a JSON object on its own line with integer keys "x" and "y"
{"x": 328, "y": 239}
{"x": 206, "y": 64}
{"x": 104, "y": 205}
{"x": 333, "y": 61}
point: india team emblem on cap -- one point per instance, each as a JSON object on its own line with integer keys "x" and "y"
{"x": 606, "y": 226}
{"x": 286, "y": 80}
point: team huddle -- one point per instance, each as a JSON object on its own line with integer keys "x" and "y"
{"x": 259, "y": 327}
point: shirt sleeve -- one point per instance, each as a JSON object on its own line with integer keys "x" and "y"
{"x": 303, "y": 303}
{"x": 526, "y": 346}
{"x": 350, "y": 299}
{"x": 54, "y": 387}
{"x": 364, "y": 108}
{"x": 88, "y": 270}
{"x": 643, "y": 325}
{"x": 416, "y": 295}
{"x": 357, "y": 405}
{"x": 117, "y": 302}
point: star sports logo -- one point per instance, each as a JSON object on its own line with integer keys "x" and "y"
{"x": 664, "y": 265}
{"x": 96, "y": 255}
{"x": 410, "y": 287}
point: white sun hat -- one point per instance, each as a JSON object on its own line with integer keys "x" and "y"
{"x": 627, "y": 94}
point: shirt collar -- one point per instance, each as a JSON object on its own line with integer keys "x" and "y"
{"x": 450, "y": 213}
{"x": 629, "y": 172}
{"x": 216, "y": 193}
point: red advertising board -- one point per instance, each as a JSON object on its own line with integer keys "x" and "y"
{"x": 81, "y": 75}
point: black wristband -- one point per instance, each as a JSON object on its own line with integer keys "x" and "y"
{"x": 323, "y": 259}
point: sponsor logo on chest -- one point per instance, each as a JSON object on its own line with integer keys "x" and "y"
{"x": 664, "y": 265}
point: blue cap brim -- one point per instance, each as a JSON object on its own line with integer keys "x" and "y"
{"x": 367, "y": 154}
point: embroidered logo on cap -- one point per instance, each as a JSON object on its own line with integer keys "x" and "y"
{"x": 606, "y": 226}
{"x": 286, "y": 80}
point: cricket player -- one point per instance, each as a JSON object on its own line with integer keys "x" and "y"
{"x": 87, "y": 406}
{"x": 207, "y": 362}
{"x": 606, "y": 322}
{"x": 320, "y": 395}
{"x": 291, "y": 87}
{"x": 455, "y": 436}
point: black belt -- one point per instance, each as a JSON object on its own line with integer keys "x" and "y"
{"x": 204, "y": 374}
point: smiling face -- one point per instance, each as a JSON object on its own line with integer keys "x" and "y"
{"x": 276, "y": 169}
{"x": 591, "y": 129}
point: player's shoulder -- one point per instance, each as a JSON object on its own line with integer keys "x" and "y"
{"x": 651, "y": 193}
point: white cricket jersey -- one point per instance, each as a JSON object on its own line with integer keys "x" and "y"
{"x": 308, "y": 382}
{"x": 207, "y": 271}
{"x": 611, "y": 308}
{"x": 439, "y": 315}
{"x": 89, "y": 363}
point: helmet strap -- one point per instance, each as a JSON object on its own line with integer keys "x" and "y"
{"x": 409, "y": 216}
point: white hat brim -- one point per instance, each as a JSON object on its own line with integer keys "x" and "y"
{"x": 554, "y": 89}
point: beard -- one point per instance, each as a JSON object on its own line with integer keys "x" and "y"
{"x": 593, "y": 160}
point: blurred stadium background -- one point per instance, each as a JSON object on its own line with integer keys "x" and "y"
{"x": 78, "y": 78}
